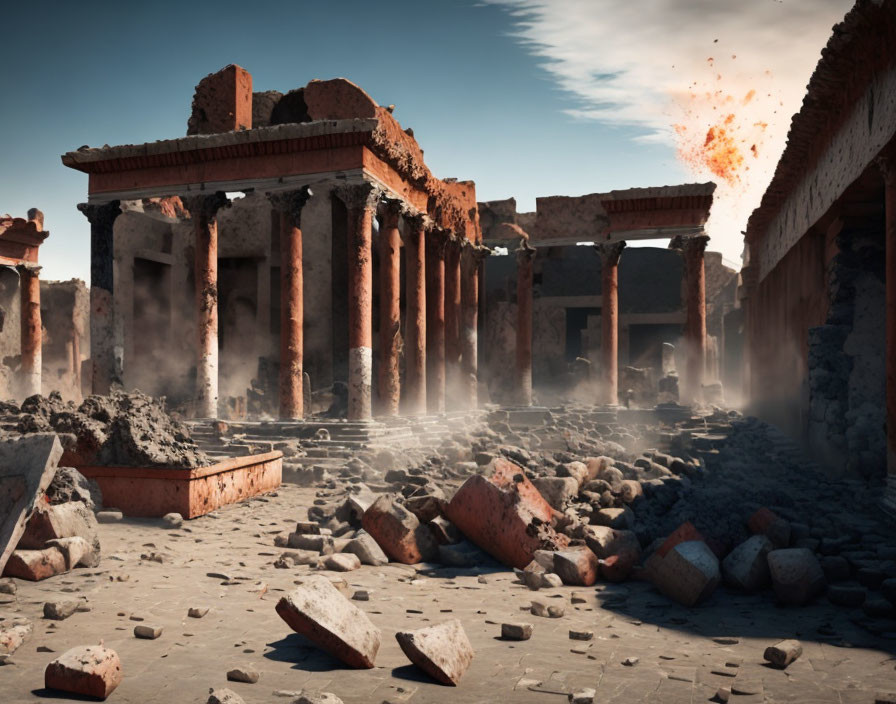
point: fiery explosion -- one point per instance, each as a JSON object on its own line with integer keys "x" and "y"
{"x": 716, "y": 132}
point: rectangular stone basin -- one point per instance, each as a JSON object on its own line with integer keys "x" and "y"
{"x": 153, "y": 492}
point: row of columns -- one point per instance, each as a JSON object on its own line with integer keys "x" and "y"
{"x": 438, "y": 327}
{"x": 692, "y": 248}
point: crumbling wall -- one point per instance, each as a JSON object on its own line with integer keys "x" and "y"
{"x": 65, "y": 317}
{"x": 847, "y": 389}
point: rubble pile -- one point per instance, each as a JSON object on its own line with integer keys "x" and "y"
{"x": 119, "y": 430}
{"x": 578, "y": 500}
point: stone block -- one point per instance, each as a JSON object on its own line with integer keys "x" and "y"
{"x": 577, "y": 470}
{"x": 318, "y": 611}
{"x": 341, "y": 562}
{"x": 505, "y": 515}
{"x": 746, "y": 567}
{"x": 222, "y": 695}
{"x": 147, "y": 632}
{"x": 35, "y": 565}
{"x": 367, "y": 550}
{"x": 576, "y": 566}
{"x": 399, "y": 533}
{"x": 766, "y": 522}
{"x": 604, "y": 541}
{"x": 619, "y": 518}
{"x": 69, "y": 520}
{"x": 12, "y": 637}
{"x": 88, "y": 670}
{"x": 782, "y": 654}
{"x": 222, "y": 102}
{"x": 688, "y": 573}
{"x": 77, "y": 551}
{"x": 321, "y": 544}
{"x": 516, "y": 631}
{"x": 27, "y": 466}
{"x": 442, "y": 651}
{"x": 60, "y": 610}
{"x": 686, "y": 532}
{"x": 557, "y": 491}
{"x": 629, "y": 490}
{"x": 796, "y": 575}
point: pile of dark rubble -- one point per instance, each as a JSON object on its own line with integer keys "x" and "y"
{"x": 122, "y": 429}
{"x": 579, "y": 499}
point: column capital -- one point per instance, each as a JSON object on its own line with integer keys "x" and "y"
{"x": 392, "y": 209}
{"x": 439, "y": 241}
{"x": 206, "y": 206}
{"x": 101, "y": 214}
{"x": 525, "y": 250}
{"x": 359, "y": 195}
{"x": 27, "y": 268}
{"x": 291, "y": 202}
{"x": 689, "y": 244}
{"x": 416, "y": 219}
{"x": 609, "y": 252}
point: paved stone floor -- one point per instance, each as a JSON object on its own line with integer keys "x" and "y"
{"x": 684, "y": 655}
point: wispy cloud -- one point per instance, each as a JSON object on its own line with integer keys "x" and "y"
{"x": 717, "y": 79}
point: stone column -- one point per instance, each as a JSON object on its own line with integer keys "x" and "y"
{"x": 292, "y": 308}
{"x": 389, "y": 386}
{"x": 415, "y": 314}
{"x": 609, "y": 252}
{"x": 102, "y": 351}
{"x": 888, "y": 167}
{"x": 452, "y": 321}
{"x": 471, "y": 262}
{"x": 29, "y": 292}
{"x": 524, "y": 257}
{"x": 360, "y": 200}
{"x": 204, "y": 213}
{"x": 435, "y": 322}
{"x": 692, "y": 248}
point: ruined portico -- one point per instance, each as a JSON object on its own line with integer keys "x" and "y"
{"x": 675, "y": 213}
{"x": 333, "y": 189}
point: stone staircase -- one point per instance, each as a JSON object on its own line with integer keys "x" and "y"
{"x": 319, "y": 444}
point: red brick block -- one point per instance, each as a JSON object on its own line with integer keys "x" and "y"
{"x": 399, "y": 533}
{"x": 338, "y": 99}
{"x": 35, "y": 565}
{"x": 576, "y": 566}
{"x": 88, "y": 670}
{"x": 766, "y": 522}
{"x": 222, "y": 102}
{"x": 505, "y": 515}
{"x": 684, "y": 533}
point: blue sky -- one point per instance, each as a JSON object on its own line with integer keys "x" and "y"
{"x": 478, "y": 94}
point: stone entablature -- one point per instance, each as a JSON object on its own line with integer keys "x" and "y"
{"x": 343, "y": 131}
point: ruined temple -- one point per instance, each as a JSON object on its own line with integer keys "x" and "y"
{"x": 207, "y": 250}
